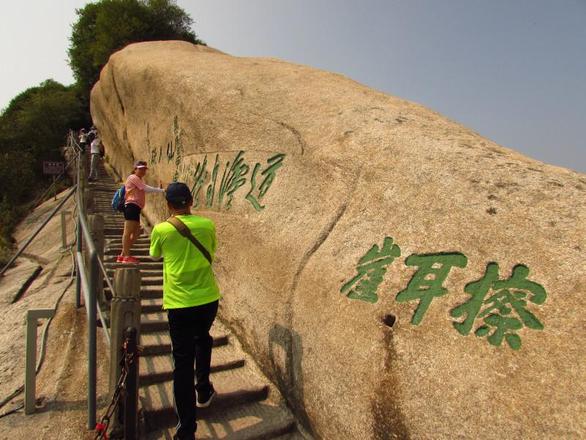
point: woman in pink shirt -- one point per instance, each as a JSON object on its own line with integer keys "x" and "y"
{"x": 134, "y": 201}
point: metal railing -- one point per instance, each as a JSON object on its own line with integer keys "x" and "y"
{"x": 37, "y": 231}
{"x": 70, "y": 144}
{"x": 90, "y": 274}
{"x": 89, "y": 277}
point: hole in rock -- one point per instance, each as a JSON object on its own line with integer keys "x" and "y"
{"x": 389, "y": 320}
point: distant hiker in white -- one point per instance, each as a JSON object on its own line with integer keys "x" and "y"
{"x": 83, "y": 139}
{"x": 96, "y": 152}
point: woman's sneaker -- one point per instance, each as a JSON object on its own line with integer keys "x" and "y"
{"x": 205, "y": 399}
{"x": 131, "y": 260}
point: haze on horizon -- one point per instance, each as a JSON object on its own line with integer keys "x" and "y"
{"x": 514, "y": 72}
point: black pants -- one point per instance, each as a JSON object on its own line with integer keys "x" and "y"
{"x": 190, "y": 336}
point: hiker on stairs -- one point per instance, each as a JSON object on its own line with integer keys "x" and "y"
{"x": 134, "y": 201}
{"x": 83, "y": 140}
{"x": 190, "y": 295}
{"x": 97, "y": 151}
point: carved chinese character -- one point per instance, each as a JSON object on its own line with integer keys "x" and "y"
{"x": 211, "y": 189}
{"x": 371, "y": 269}
{"x": 505, "y": 311}
{"x": 427, "y": 283}
{"x": 199, "y": 177}
{"x": 232, "y": 179}
{"x": 266, "y": 176}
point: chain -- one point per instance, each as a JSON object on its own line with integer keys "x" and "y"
{"x": 104, "y": 423}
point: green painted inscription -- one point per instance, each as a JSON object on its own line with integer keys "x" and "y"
{"x": 504, "y": 310}
{"x": 499, "y": 305}
{"x": 371, "y": 269}
{"x": 220, "y": 186}
{"x": 232, "y": 179}
{"x": 212, "y": 186}
{"x": 267, "y": 176}
{"x": 427, "y": 282}
{"x": 198, "y": 176}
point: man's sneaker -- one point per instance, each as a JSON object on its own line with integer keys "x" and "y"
{"x": 205, "y": 399}
{"x": 120, "y": 259}
{"x": 131, "y": 260}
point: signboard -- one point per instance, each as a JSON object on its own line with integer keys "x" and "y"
{"x": 53, "y": 168}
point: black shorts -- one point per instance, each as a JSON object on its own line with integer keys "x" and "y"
{"x": 132, "y": 212}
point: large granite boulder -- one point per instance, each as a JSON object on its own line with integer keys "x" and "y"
{"x": 396, "y": 274}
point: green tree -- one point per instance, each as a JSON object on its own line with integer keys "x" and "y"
{"x": 37, "y": 120}
{"x": 108, "y": 25}
{"x": 32, "y": 129}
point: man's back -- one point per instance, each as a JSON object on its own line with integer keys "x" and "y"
{"x": 188, "y": 279}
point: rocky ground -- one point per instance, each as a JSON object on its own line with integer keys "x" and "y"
{"x": 61, "y": 382}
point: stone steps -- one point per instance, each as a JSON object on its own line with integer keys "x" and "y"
{"x": 148, "y": 265}
{"x": 146, "y": 292}
{"x": 140, "y": 243}
{"x": 242, "y": 395}
{"x": 159, "y": 368}
{"x": 147, "y": 280}
{"x": 111, "y": 253}
{"x": 242, "y": 408}
{"x": 137, "y": 251}
{"x": 158, "y": 344}
{"x": 144, "y": 272}
{"x": 247, "y": 405}
{"x": 116, "y": 241}
{"x": 239, "y": 415}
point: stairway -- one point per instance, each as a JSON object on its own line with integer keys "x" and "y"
{"x": 247, "y": 405}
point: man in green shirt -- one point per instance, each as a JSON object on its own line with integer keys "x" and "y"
{"x": 190, "y": 296}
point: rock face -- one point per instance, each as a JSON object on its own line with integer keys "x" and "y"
{"x": 396, "y": 274}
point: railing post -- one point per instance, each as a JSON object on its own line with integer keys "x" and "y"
{"x": 78, "y": 231}
{"x": 81, "y": 178}
{"x": 131, "y": 395}
{"x": 64, "y": 229}
{"x": 92, "y": 347}
{"x": 31, "y": 356}
{"x": 96, "y": 224}
{"x": 125, "y": 312}
{"x": 96, "y": 281}
{"x": 79, "y": 245}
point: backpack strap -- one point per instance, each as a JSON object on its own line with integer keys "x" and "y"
{"x": 184, "y": 230}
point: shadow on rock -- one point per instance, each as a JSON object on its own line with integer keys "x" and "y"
{"x": 286, "y": 354}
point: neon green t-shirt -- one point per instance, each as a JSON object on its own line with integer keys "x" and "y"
{"x": 188, "y": 279}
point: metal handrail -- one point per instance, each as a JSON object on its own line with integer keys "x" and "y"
{"x": 86, "y": 288}
{"x": 51, "y": 215}
{"x": 107, "y": 278}
{"x": 39, "y": 229}
{"x": 88, "y": 279}
{"x": 78, "y": 149}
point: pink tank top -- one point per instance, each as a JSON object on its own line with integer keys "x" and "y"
{"x": 134, "y": 191}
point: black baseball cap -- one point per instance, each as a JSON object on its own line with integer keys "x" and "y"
{"x": 178, "y": 193}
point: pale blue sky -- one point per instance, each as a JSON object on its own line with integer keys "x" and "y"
{"x": 512, "y": 70}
